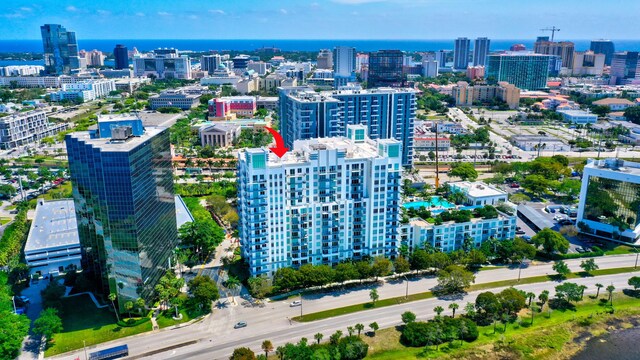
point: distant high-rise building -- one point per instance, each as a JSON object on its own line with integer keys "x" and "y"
{"x": 588, "y": 63}
{"x": 361, "y": 59}
{"x": 605, "y": 47}
{"x": 525, "y": 71}
{"x": 121, "y": 55}
{"x": 241, "y": 61}
{"x": 325, "y": 59}
{"x": 461, "y": 53}
{"x": 387, "y": 113}
{"x": 385, "y": 68}
{"x": 163, "y": 64}
{"x": 564, "y": 49}
{"x": 518, "y": 47}
{"x": 624, "y": 65}
{"x": 480, "y": 51}
{"x": 60, "y": 50}
{"x": 316, "y": 204}
{"x": 95, "y": 58}
{"x": 210, "y": 63}
{"x": 442, "y": 57}
{"x": 344, "y": 65}
{"x": 429, "y": 68}
{"x": 125, "y": 206}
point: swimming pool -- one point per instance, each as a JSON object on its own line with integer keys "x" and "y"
{"x": 434, "y": 202}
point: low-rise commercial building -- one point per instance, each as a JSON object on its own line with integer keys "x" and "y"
{"x": 479, "y": 193}
{"x": 163, "y": 64}
{"x": 53, "y": 245}
{"x": 609, "y": 200}
{"x": 173, "y": 98}
{"x": 267, "y": 102}
{"x": 578, "y": 116}
{"x": 539, "y": 142}
{"x": 615, "y": 104}
{"x": 26, "y": 127}
{"x": 219, "y": 134}
{"x": 87, "y": 90}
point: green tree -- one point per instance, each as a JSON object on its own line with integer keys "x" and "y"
{"x": 381, "y": 266}
{"x": 267, "y": 347}
{"x": 543, "y": 297}
{"x": 346, "y": 271}
{"x": 561, "y": 268}
{"x": 318, "y": 337}
{"x": 243, "y": 353}
{"x": 610, "y": 289}
{"x": 601, "y": 110}
{"x": 511, "y": 300}
{"x": 453, "y": 307}
{"x": 568, "y": 291}
{"x": 359, "y": 327}
{"x": 635, "y": 282}
{"x": 373, "y": 295}
{"x": 7, "y": 191}
{"x": 14, "y": 329}
{"x": 589, "y": 265}
{"x": 408, "y": 317}
{"x": 464, "y": 171}
{"x": 537, "y": 184}
{"x": 374, "y": 326}
{"x": 203, "y": 290}
{"x": 454, "y": 279}
{"x": 112, "y": 298}
{"x": 570, "y": 187}
{"x": 233, "y": 284}
{"x": 401, "y": 265}
{"x": 128, "y": 306}
{"x": 632, "y": 114}
{"x": 598, "y": 287}
{"x": 551, "y": 241}
{"x": 438, "y": 310}
{"x": 48, "y": 323}
{"x": 487, "y": 305}
{"x": 335, "y": 337}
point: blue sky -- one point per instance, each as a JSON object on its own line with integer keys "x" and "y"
{"x": 322, "y": 19}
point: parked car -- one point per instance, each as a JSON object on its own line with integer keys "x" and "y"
{"x": 296, "y": 303}
{"x": 580, "y": 249}
{"x": 520, "y": 232}
{"x": 526, "y": 238}
{"x": 240, "y": 324}
{"x": 514, "y": 185}
{"x": 24, "y": 299}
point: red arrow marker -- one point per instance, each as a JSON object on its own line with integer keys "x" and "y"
{"x": 279, "y": 149}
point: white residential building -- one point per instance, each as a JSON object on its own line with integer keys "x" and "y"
{"x": 478, "y": 193}
{"x": 26, "y": 127}
{"x": 53, "y": 244}
{"x": 327, "y": 200}
{"x": 163, "y": 64}
{"x": 21, "y": 70}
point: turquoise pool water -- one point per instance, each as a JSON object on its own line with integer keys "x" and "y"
{"x": 435, "y": 201}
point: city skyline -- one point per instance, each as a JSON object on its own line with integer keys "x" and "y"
{"x": 335, "y": 19}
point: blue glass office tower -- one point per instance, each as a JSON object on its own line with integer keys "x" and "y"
{"x": 525, "y": 71}
{"x": 121, "y": 56}
{"x": 125, "y": 208}
{"x": 60, "y": 49}
{"x": 387, "y": 113}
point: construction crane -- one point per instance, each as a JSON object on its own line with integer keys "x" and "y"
{"x": 553, "y": 30}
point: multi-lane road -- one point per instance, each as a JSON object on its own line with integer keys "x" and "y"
{"x": 215, "y": 337}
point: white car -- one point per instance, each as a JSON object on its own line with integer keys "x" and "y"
{"x": 296, "y": 303}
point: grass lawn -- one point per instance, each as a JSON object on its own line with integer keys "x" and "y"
{"x": 612, "y": 249}
{"x": 426, "y": 295}
{"x": 166, "y": 318}
{"x": 81, "y": 320}
{"x": 4, "y": 220}
{"x": 550, "y": 335}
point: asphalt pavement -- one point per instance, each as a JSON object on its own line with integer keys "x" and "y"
{"x": 216, "y": 338}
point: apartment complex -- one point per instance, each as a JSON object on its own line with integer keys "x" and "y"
{"x": 609, "y": 200}
{"x": 125, "y": 207}
{"x": 163, "y": 64}
{"x": 387, "y": 113}
{"x": 525, "y": 71}
{"x": 327, "y": 200}
{"x": 23, "y": 128}
{"x": 86, "y": 90}
{"x": 461, "y": 53}
{"x": 480, "y": 51}
{"x": 466, "y": 95}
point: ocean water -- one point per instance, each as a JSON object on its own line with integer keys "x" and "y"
{"x": 287, "y": 45}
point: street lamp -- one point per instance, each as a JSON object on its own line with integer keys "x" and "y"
{"x": 13, "y": 298}
{"x": 406, "y": 295}
{"x": 300, "y": 305}
{"x": 84, "y": 345}
{"x": 520, "y": 268}
{"x": 637, "y": 254}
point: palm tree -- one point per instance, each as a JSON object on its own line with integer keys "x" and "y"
{"x": 319, "y": 336}
{"x": 438, "y": 309}
{"x": 267, "y": 347}
{"x": 350, "y": 330}
{"x": 453, "y": 306}
{"x": 280, "y": 352}
{"x": 374, "y": 326}
{"x": 359, "y": 327}
{"x": 128, "y": 306}
{"x": 599, "y": 286}
{"x": 531, "y": 296}
{"x": 233, "y": 284}
{"x": 112, "y": 297}
{"x": 610, "y": 289}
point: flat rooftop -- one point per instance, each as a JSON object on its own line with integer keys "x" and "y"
{"x": 116, "y": 145}
{"x": 54, "y": 226}
{"x": 614, "y": 165}
{"x": 477, "y": 189}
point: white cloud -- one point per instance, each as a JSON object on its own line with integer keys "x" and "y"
{"x": 163, "y": 13}
{"x": 141, "y": 14}
{"x": 15, "y": 15}
{"x": 217, "y": 11}
{"x": 72, "y": 8}
{"x": 193, "y": 17}
{"x": 284, "y": 11}
{"x": 103, "y": 12}
{"x": 24, "y": 8}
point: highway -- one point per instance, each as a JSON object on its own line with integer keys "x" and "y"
{"x": 216, "y": 338}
